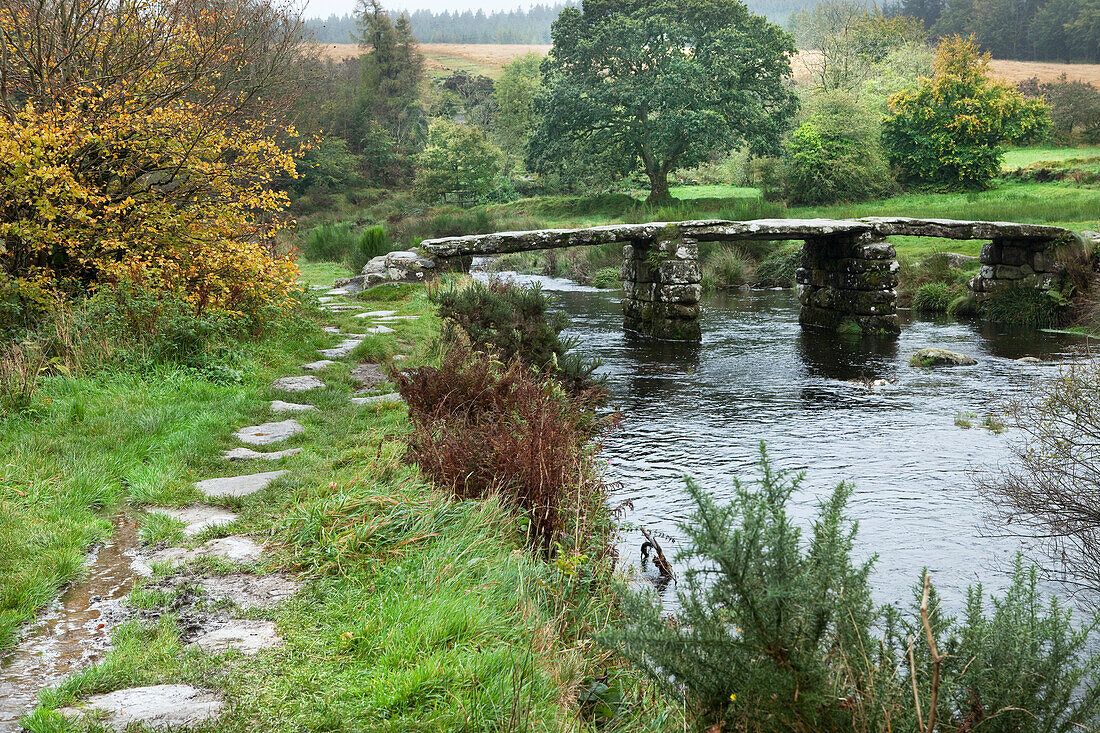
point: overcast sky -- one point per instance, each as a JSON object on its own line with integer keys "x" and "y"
{"x": 325, "y": 8}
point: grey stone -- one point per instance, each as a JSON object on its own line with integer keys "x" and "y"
{"x": 197, "y": 518}
{"x": 156, "y": 706}
{"x": 330, "y": 329}
{"x": 377, "y": 399}
{"x": 247, "y": 637}
{"x": 402, "y": 266}
{"x": 297, "y": 384}
{"x": 377, "y": 314}
{"x": 341, "y": 349}
{"x": 250, "y": 591}
{"x": 341, "y": 308}
{"x": 337, "y": 291}
{"x": 280, "y": 406}
{"x": 269, "y": 432}
{"x": 326, "y": 299}
{"x": 238, "y": 485}
{"x": 316, "y": 366}
{"x": 1029, "y": 360}
{"x": 247, "y": 454}
{"x": 368, "y": 375}
{"x": 932, "y": 357}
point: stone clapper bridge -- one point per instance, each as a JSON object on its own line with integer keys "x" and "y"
{"x": 846, "y": 282}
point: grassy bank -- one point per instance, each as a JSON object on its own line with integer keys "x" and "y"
{"x": 419, "y": 612}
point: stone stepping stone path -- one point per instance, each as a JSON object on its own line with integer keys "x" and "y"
{"x": 316, "y": 366}
{"x": 326, "y": 298}
{"x": 280, "y": 406}
{"x": 159, "y": 707}
{"x": 341, "y": 308}
{"x": 247, "y": 637}
{"x": 298, "y": 384}
{"x": 235, "y": 548}
{"x": 341, "y": 349}
{"x": 250, "y": 591}
{"x": 377, "y": 314}
{"x": 338, "y": 291}
{"x": 368, "y": 375}
{"x": 238, "y": 485}
{"x": 197, "y": 517}
{"x": 247, "y": 454}
{"x": 269, "y": 432}
{"x": 378, "y": 399}
{"x": 330, "y": 329}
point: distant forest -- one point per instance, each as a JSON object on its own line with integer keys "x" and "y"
{"x": 1056, "y": 30}
{"x": 516, "y": 26}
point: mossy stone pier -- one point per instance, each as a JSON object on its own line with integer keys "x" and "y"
{"x": 846, "y": 283}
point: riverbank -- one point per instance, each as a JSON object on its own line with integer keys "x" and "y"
{"x": 414, "y": 611}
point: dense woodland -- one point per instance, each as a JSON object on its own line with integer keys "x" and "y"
{"x": 1056, "y": 30}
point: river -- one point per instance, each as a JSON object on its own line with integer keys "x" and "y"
{"x": 701, "y": 410}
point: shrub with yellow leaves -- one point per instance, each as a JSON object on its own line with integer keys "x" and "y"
{"x": 140, "y": 141}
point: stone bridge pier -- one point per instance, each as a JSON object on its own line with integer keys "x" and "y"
{"x": 847, "y": 284}
{"x": 662, "y": 284}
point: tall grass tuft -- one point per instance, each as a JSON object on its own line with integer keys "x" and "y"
{"x": 328, "y": 242}
{"x": 1024, "y": 306}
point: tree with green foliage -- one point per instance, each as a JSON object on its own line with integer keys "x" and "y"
{"x": 515, "y": 94}
{"x": 950, "y": 132}
{"x": 390, "y": 119}
{"x": 663, "y": 83}
{"x": 835, "y": 155}
{"x": 457, "y": 160}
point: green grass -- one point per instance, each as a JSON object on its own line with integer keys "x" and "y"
{"x": 686, "y": 193}
{"x": 418, "y": 613}
{"x": 1021, "y": 157}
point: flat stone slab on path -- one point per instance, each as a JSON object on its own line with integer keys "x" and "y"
{"x": 238, "y": 485}
{"x": 297, "y": 384}
{"x": 235, "y": 548}
{"x": 156, "y": 706}
{"x": 247, "y": 637}
{"x": 377, "y": 314}
{"x": 378, "y": 399}
{"x": 368, "y": 375}
{"x": 338, "y": 291}
{"x": 250, "y": 591}
{"x": 269, "y": 432}
{"x": 280, "y": 406}
{"x": 341, "y": 349}
{"x": 316, "y": 366}
{"x": 341, "y": 308}
{"x": 247, "y": 454}
{"x": 198, "y": 517}
{"x": 330, "y": 329}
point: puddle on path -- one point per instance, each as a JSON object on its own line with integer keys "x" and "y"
{"x": 75, "y": 631}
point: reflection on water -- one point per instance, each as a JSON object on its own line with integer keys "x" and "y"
{"x": 703, "y": 409}
{"x": 74, "y": 632}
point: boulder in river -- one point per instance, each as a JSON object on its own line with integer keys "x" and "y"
{"x": 940, "y": 357}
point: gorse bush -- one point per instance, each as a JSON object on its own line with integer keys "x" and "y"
{"x": 509, "y": 321}
{"x": 329, "y": 242}
{"x": 777, "y": 632}
{"x": 372, "y": 242}
{"x": 482, "y": 427}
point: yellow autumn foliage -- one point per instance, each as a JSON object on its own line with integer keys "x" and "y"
{"x": 163, "y": 171}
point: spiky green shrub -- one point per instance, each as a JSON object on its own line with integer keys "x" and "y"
{"x": 512, "y": 321}
{"x": 777, "y": 632}
{"x": 328, "y": 242}
{"x": 933, "y": 297}
{"x": 764, "y": 614}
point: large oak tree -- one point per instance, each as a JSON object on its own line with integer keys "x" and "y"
{"x": 662, "y": 84}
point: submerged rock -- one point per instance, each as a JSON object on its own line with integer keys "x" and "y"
{"x": 940, "y": 357}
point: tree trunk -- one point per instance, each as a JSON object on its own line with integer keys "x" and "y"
{"x": 658, "y": 188}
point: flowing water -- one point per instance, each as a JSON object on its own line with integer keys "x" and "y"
{"x": 74, "y": 632}
{"x": 702, "y": 410}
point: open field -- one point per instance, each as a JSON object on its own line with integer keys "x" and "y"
{"x": 488, "y": 58}
{"x": 1021, "y": 157}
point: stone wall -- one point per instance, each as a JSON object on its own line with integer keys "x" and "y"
{"x": 1011, "y": 262}
{"x": 847, "y": 284}
{"x": 661, "y": 288}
